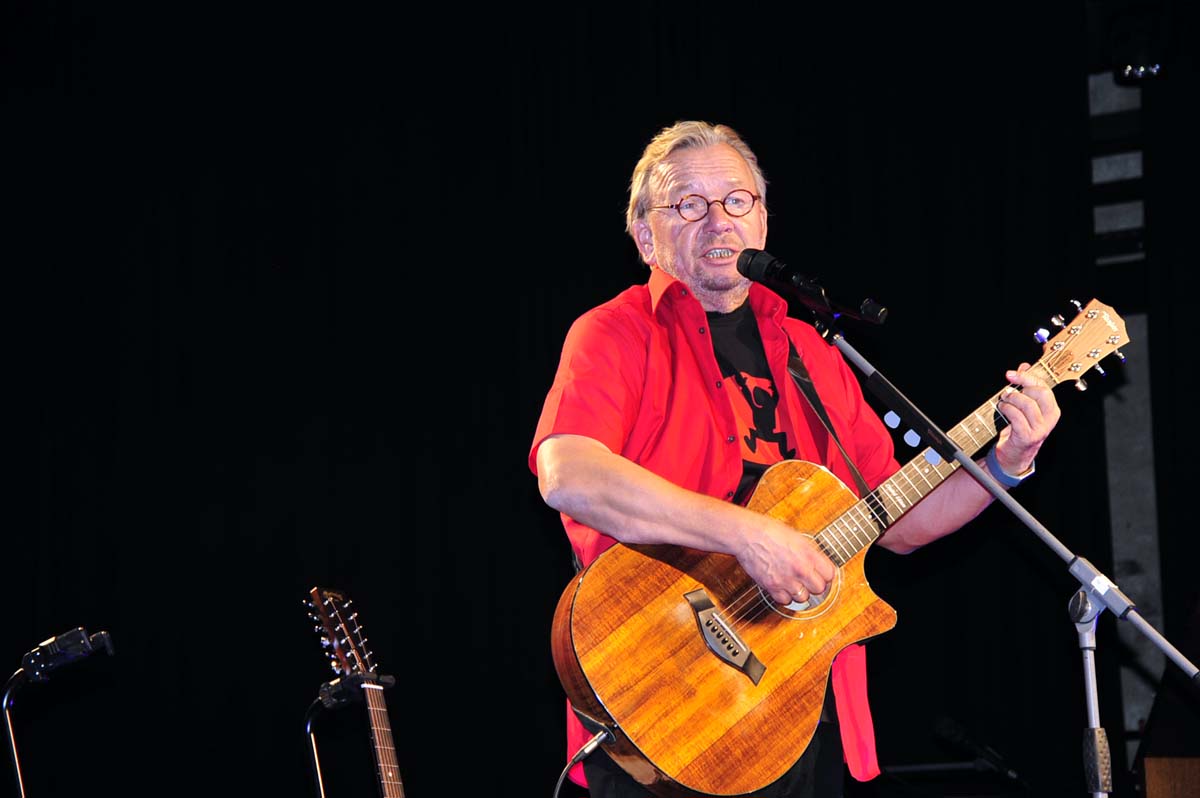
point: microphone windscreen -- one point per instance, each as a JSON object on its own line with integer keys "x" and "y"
{"x": 752, "y": 264}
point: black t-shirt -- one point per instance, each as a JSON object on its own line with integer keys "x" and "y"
{"x": 753, "y": 393}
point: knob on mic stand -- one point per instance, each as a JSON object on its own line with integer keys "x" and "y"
{"x": 36, "y": 665}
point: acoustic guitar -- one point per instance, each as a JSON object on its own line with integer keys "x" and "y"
{"x": 708, "y": 685}
{"x": 344, "y": 642}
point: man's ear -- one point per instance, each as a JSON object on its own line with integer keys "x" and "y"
{"x": 645, "y": 240}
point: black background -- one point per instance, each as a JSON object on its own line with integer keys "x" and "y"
{"x": 291, "y": 284}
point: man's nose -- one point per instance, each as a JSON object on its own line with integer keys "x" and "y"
{"x": 717, "y": 216}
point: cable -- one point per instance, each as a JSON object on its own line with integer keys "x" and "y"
{"x": 585, "y": 750}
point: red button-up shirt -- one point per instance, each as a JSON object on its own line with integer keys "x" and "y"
{"x": 638, "y": 374}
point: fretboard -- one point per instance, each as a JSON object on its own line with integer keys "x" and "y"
{"x": 863, "y": 523}
{"x": 381, "y": 736}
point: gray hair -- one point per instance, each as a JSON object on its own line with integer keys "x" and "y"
{"x": 680, "y": 136}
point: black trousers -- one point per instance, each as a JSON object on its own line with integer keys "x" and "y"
{"x": 819, "y": 773}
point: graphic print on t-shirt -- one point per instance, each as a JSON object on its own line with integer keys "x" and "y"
{"x": 755, "y": 403}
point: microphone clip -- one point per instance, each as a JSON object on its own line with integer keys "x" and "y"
{"x": 762, "y": 267}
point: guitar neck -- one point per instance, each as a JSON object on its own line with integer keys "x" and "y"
{"x": 381, "y": 737}
{"x": 863, "y": 523}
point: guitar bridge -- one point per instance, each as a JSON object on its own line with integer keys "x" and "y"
{"x": 721, "y": 639}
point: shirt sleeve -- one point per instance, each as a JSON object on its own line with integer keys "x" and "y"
{"x": 598, "y": 384}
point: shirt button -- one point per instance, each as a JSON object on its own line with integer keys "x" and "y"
{"x": 702, "y": 331}
{"x": 730, "y": 439}
{"x": 718, "y": 383}
{"x": 728, "y": 494}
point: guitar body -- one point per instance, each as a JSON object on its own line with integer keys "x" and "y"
{"x": 631, "y": 654}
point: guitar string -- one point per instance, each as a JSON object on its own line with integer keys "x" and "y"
{"x": 389, "y": 770}
{"x": 828, "y": 541}
{"x": 750, "y": 605}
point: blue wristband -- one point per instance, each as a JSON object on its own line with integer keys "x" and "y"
{"x": 1000, "y": 475}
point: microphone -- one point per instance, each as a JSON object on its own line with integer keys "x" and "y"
{"x": 953, "y": 733}
{"x": 762, "y": 267}
{"x": 62, "y": 649}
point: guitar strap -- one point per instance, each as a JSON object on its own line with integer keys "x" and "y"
{"x": 800, "y": 375}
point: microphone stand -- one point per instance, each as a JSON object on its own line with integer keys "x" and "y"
{"x": 1097, "y": 592}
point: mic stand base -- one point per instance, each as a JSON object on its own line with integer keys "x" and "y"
{"x": 1097, "y": 759}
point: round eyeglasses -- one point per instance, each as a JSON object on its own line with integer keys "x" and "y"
{"x": 694, "y": 207}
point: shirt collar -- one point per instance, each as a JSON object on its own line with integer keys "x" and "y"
{"x": 762, "y": 299}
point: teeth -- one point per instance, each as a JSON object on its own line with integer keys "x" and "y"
{"x": 719, "y": 253}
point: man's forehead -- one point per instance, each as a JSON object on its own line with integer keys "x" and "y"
{"x": 692, "y": 167}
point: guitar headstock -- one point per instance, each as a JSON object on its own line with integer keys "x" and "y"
{"x": 1095, "y": 332}
{"x": 340, "y": 632}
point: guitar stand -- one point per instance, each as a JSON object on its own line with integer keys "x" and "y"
{"x": 335, "y": 694}
{"x": 310, "y": 715}
{"x": 37, "y": 665}
{"x": 1098, "y": 591}
{"x": 14, "y": 681}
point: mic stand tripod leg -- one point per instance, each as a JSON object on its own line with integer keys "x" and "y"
{"x": 1097, "y": 762}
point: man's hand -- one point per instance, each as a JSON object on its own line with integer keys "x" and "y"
{"x": 785, "y": 563}
{"x": 1031, "y": 412}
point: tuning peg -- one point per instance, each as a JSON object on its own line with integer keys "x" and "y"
{"x": 318, "y": 628}
{"x": 1100, "y": 370}
{"x": 334, "y": 666}
{"x": 1042, "y": 335}
{"x": 1077, "y": 305}
{"x": 1057, "y": 320}
{"x": 1120, "y": 355}
{"x": 1080, "y": 385}
{"x": 325, "y": 642}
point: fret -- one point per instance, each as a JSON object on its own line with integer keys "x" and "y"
{"x": 858, "y": 527}
{"x": 840, "y": 546}
{"x": 900, "y": 492}
{"x": 385, "y": 749}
